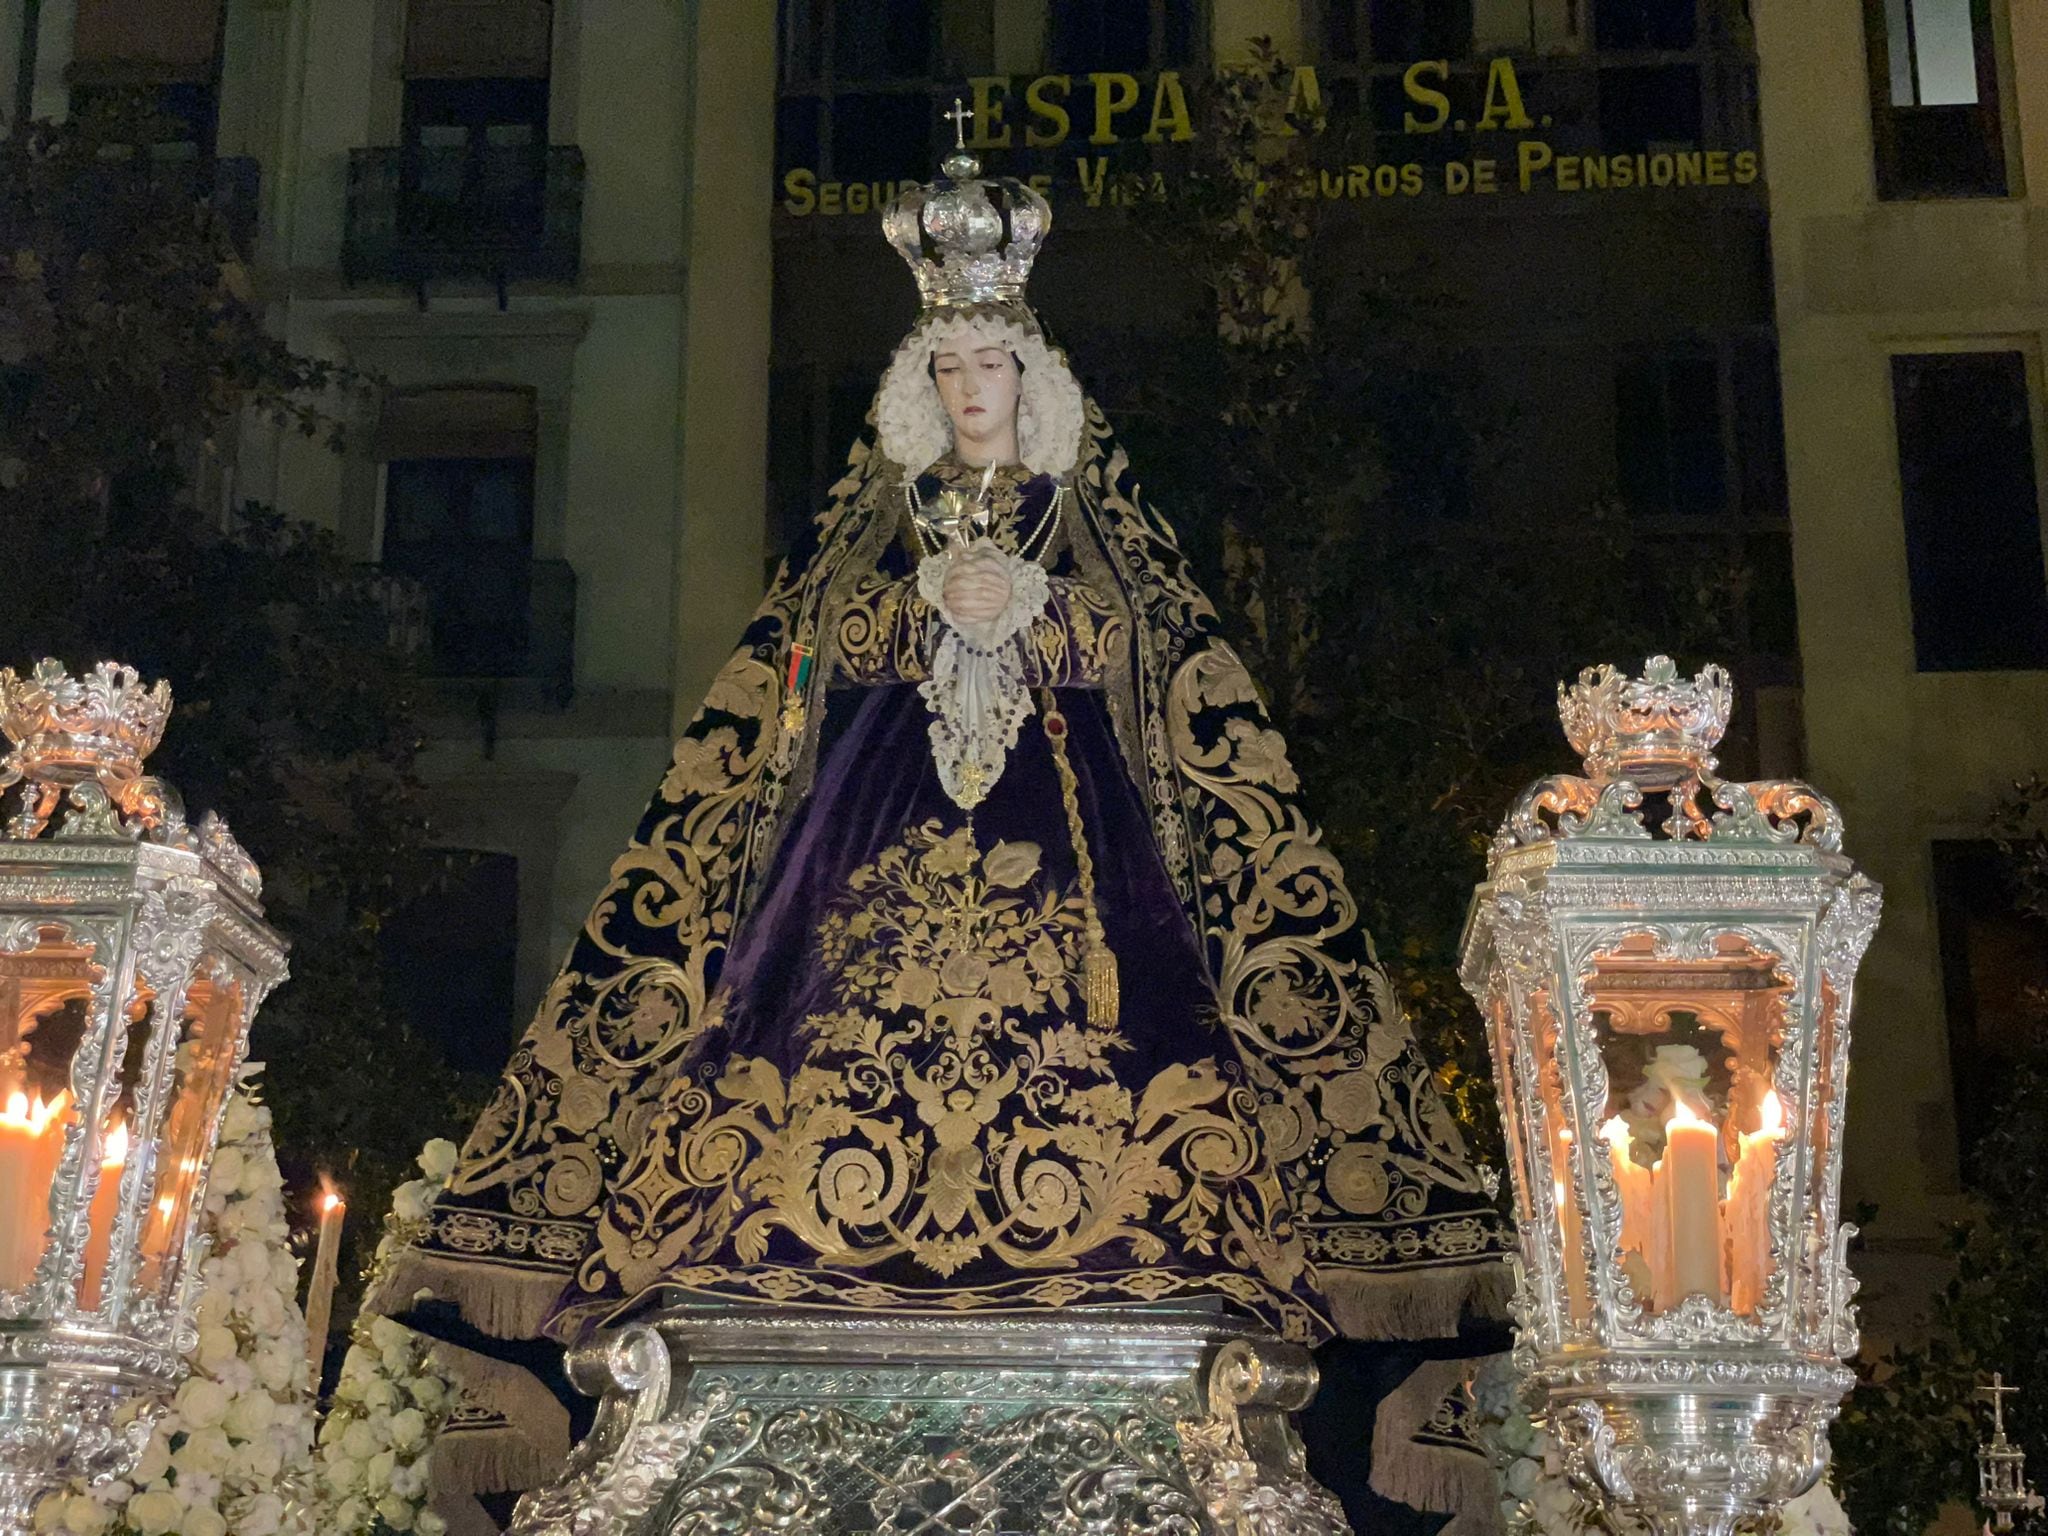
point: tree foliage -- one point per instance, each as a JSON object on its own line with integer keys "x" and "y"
{"x": 129, "y": 349}
{"x": 1908, "y": 1436}
{"x": 1407, "y": 627}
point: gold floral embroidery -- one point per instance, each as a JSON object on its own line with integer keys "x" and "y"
{"x": 953, "y": 1105}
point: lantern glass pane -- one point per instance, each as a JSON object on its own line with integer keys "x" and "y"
{"x": 45, "y": 1010}
{"x": 204, "y": 1070}
{"x": 1692, "y": 1124}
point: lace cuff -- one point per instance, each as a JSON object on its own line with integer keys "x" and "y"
{"x": 977, "y": 692}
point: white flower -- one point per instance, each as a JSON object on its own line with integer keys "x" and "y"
{"x": 437, "y": 1159}
{"x": 155, "y": 1460}
{"x": 379, "y": 1396}
{"x": 216, "y": 1347}
{"x": 429, "y": 1392}
{"x": 344, "y": 1473}
{"x": 276, "y": 1365}
{"x": 411, "y": 1202}
{"x": 204, "y": 1451}
{"x": 203, "y": 1520}
{"x": 360, "y": 1441}
{"x": 395, "y": 1512}
{"x": 226, "y": 1173}
{"x": 155, "y": 1513}
{"x": 85, "y": 1515}
{"x": 251, "y": 1415}
{"x": 409, "y": 1429}
{"x": 387, "y": 1335}
{"x": 201, "y": 1402}
{"x": 427, "y": 1523}
{"x": 377, "y": 1473}
{"x": 262, "y": 1517}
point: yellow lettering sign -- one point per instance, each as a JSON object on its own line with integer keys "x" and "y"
{"x": 1114, "y": 94}
{"x": 1426, "y": 96}
{"x": 1047, "y": 108}
{"x": 989, "y": 91}
{"x": 1504, "y": 99}
{"x": 1170, "y": 110}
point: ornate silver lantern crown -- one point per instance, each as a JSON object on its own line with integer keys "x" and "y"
{"x": 66, "y": 730}
{"x": 968, "y": 239}
{"x": 1658, "y": 730}
{"x": 1655, "y": 735}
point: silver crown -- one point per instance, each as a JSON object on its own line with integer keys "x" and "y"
{"x": 1658, "y": 731}
{"x": 968, "y": 239}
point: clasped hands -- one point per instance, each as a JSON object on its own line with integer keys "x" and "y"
{"x": 977, "y": 586}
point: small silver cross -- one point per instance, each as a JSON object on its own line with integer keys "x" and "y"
{"x": 959, "y": 117}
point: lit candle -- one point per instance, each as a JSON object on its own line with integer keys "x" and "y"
{"x": 1638, "y": 1195}
{"x": 1747, "y": 1217}
{"x": 1573, "y": 1227}
{"x": 106, "y": 1197}
{"x": 326, "y": 1273}
{"x": 1691, "y": 1178}
{"x": 31, "y": 1140}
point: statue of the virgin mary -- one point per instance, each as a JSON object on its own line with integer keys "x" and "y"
{"x": 975, "y": 953}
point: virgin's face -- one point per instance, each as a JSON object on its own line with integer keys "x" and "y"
{"x": 980, "y": 385}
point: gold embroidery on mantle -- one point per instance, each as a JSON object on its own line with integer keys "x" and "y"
{"x": 953, "y": 1105}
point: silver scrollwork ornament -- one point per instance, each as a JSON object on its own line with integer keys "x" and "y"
{"x": 718, "y": 1420}
{"x": 1666, "y": 962}
{"x": 133, "y": 955}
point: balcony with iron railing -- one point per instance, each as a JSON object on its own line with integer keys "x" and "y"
{"x": 502, "y": 213}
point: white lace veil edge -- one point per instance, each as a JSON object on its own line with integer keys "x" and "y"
{"x": 910, "y": 423}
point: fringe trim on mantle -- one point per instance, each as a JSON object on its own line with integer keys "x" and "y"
{"x": 1434, "y": 1477}
{"x": 497, "y": 1299}
{"x": 523, "y": 1446}
{"x": 1416, "y": 1304}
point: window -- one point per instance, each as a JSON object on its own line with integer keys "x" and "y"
{"x": 476, "y": 114}
{"x": 451, "y": 961}
{"x": 859, "y": 79}
{"x": 1994, "y": 973}
{"x": 458, "y": 520}
{"x": 1129, "y": 35}
{"x": 1972, "y": 510}
{"x": 1668, "y": 447}
{"x": 1934, "y": 98}
{"x": 1399, "y": 30}
{"x": 1652, "y": 108}
{"x": 1648, "y": 24}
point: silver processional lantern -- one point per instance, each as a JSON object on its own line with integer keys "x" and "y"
{"x": 1665, "y": 962}
{"x": 133, "y": 954}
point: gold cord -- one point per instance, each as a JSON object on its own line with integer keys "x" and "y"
{"x": 1103, "y": 996}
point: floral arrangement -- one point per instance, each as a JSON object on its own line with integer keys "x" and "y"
{"x": 393, "y": 1398}
{"x": 1537, "y": 1499}
{"x": 233, "y": 1452}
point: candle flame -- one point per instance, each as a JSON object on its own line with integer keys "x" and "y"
{"x": 34, "y": 1117}
{"x": 1682, "y": 1113}
{"x": 1615, "y": 1134}
{"x": 329, "y": 1202}
{"x": 1773, "y": 1116}
{"x": 115, "y": 1152}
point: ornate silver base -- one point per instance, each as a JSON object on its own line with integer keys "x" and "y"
{"x": 1100, "y": 1422}
{"x": 1696, "y": 1445}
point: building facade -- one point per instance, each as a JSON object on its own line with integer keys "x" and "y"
{"x": 1908, "y": 149}
{"x": 616, "y": 265}
{"x": 557, "y": 489}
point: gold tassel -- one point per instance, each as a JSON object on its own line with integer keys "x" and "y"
{"x": 1103, "y": 994}
{"x": 1104, "y": 998}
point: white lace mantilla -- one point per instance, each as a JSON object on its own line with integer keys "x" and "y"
{"x": 976, "y": 691}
